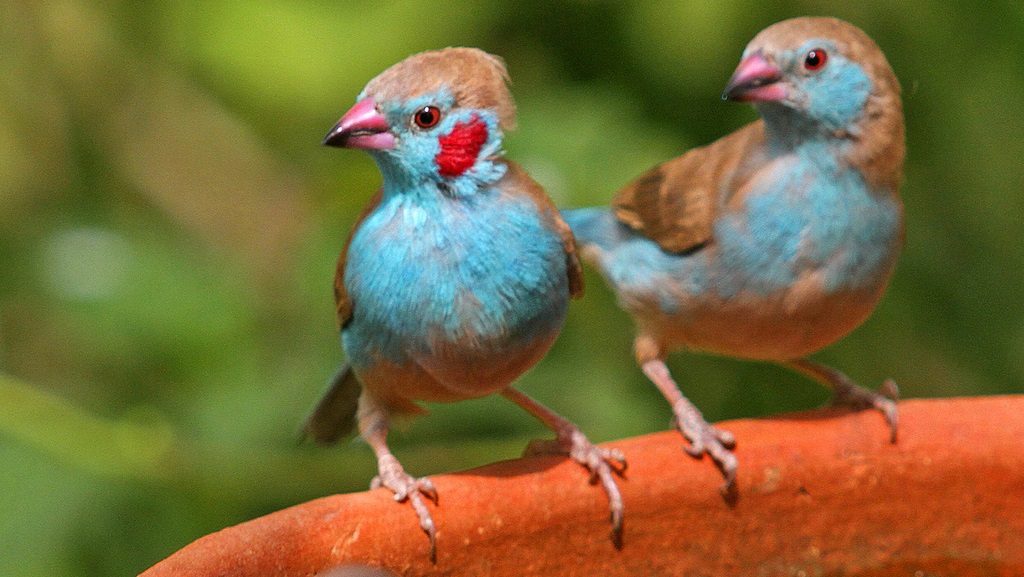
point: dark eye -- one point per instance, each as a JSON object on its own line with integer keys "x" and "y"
{"x": 427, "y": 117}
{"x": 815, "y": 59}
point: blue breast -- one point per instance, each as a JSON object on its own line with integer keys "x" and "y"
{"x": 425, "y": 271}
{"x": 805, "y": 216}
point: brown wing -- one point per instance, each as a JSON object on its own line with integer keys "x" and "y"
{"x": 675, "y": 203}
{"x": 342, "y": 302}
{"x": 572, "y": 259}
{"x": 518, "y": 179}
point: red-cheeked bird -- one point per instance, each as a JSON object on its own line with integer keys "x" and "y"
{"x": 456, "y": 278}
{"x": 778, "y": 239}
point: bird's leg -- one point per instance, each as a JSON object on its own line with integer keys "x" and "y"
{"x": 373, "y": 426}
{"x": 703, "y": 437}
{"x": 846, "y": 393}
{"x": 572, "y": 442}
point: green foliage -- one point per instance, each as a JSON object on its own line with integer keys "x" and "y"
{"x": 169, "y": 224}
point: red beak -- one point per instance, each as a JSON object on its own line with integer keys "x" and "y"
{"x": 755, "y": 80}
{"x": 362, "y": 127}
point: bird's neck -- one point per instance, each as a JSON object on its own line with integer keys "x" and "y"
{"x": 873, "y": 147}
{"x": 426, "y": 183}
{"x": 791, "y": 134}
{"x": 786, "y": 131}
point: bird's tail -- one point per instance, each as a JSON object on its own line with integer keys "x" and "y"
{"x": 594, "y": 227}
{"x": 335, "y": 415}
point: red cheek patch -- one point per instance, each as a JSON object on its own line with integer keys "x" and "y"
{"x": 460, "y": 147}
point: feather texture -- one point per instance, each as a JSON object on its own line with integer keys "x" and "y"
{"x": 457, "y": 276}
{"x": 776, "y": 240}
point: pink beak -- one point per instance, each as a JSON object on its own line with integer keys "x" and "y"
{"x": 755, "y": 80}
{"x": 362, "y": 127}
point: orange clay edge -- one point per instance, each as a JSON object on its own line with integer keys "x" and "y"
{"x": 819, "y": 494}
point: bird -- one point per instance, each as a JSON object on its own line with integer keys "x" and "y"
{"x": 456, "y": 278}
{"x": 774, "y": 241}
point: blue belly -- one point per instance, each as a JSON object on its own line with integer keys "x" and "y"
{"x": 461, "y": 280}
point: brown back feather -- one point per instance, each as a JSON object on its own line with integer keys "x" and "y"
{"x": 675, "y": 203}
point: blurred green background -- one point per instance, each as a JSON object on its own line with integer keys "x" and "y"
{"x": 169, "y": 226}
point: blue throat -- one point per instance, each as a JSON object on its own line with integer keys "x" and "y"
{"x": 426, "y": 185}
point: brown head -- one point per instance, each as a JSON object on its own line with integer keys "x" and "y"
{"x": 420, "y": 92}
{"x": 475, "y": 78}
{"x": 824, "y": 76}
{"x": 434, "y": 117}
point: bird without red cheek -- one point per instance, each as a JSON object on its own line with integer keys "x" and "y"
{"x": 776, "y": 240}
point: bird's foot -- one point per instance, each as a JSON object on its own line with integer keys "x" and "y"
{"x": 407, "y": 488}
{"x": 601, "y": 463}
{"x": 853, "y": 396}
{"x": 704, "y": 438}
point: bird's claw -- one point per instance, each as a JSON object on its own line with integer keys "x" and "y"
{"x": 615, "y": 458}
{"x": 890, "y": 390}
{"x": 603, "y": 464}
{"x": 408, "y": 488}
{"x": 594, "y": 458}
{"x": 422, "y": 486}
{"x": 884, "y": 401}
{"x": 705, "y": 438}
